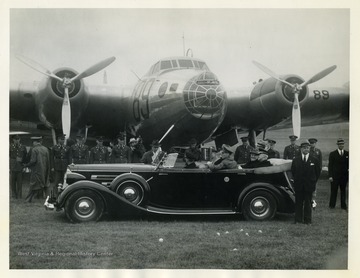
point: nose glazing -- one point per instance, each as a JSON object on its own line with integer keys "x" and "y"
{"x": 204, "y": 96}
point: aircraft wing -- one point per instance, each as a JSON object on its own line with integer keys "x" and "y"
{"x": 268, "y": 106}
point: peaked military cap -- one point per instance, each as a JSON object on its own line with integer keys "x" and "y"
{"x": 61, "y": 136}
{"x": 192, "y": 141}
{"x": 100, "y": 138}
{"x": 36, "y": 138}
{"x": 244, "y": 138}
{"x": 121, "y": 136}
{"x": 305, "y": 144}
{"x": 312, "y": 140}
{"x": 293, "y": 137}
{"x": 271, "y": 141}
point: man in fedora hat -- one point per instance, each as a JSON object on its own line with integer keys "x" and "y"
{"x": 99, "y": 153}
{"x": 60, "y": 159}
{"x": 40, "y": 169}
{"x": 225, "y": 161}
{"x": 291, "y": 151}
{"x": 338, "y": 173}
{"x": 192, "y": 154}
{"x": 306, "y": 171}
{"x": 242, "y": 152}
{"x": 79, "y": 152}
{"x": 120, "y": 152}
{"x": 18, "y": 155}
{"x": 154, "y": 155}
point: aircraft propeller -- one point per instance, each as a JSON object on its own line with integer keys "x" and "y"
{"x": 66, "y": 83}
{"x": 296, "y": 88}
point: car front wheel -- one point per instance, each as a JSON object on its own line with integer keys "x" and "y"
{"x": 84, "y": 206}
{"x": 259, "y": 205}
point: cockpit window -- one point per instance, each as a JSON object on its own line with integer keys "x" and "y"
{"x": 165, "y": 65}
{"x": 156, "y": 67}
{"x": 174, "y": 63}
{"x": 203, "y": 66}
{"x": 185, "y": 63}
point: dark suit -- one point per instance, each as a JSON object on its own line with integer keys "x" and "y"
{"x": 305, "y": 176}
{"x": 339, "y": 171}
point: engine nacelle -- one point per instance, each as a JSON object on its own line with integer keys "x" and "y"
{"x": 49, "y": 99}
{"x": 271, "y": 101}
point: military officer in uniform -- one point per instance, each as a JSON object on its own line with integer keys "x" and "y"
{"x": 225, "y": 161}
{"x": 79, "y": 152}
{"x": 242, "y": 152}
{"x": 291, "y": 151}
{"x": 315, "y": 152}
{"x": 60, "y": 158}
{"x": 272, "y": 153}
{"x": 120, "y": 152}
{"x": 99, "y": 153}
{"x": 18, "y": 156}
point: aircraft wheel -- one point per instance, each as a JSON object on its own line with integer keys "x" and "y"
{"x": 84, "y": 206}
{"x": 131, "y": 190}
{"x": 259, "y": 205}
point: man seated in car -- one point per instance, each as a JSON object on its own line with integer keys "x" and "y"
{"x": 225, "y": 161}
{"x": 258, "y": 158}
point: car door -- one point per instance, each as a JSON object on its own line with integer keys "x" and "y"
{"x": 178, "y": 188}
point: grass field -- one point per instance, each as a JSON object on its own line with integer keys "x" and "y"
{"x": 42, "y": 239}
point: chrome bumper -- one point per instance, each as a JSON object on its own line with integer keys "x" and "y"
{"x": 47, "y": 205}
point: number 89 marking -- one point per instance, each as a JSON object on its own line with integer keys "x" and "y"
{"x": 321, "y": 95}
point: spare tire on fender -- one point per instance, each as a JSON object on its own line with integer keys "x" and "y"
{"x": 131, "y": 187}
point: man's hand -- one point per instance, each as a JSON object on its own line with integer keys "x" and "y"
{"x": 331, "y": 179}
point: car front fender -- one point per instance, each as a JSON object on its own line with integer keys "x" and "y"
{"x": 111, "y": 200}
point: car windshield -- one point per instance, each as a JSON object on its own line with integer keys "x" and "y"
{"x": 170, "y": 160}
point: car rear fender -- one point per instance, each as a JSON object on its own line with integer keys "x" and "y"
{"x": 260, "y": 186}
{"x": 108, "y": 196}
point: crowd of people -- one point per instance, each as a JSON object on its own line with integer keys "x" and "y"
{"x": 48, "y": 166}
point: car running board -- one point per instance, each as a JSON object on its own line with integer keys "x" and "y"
{"x": 189, "y": 211}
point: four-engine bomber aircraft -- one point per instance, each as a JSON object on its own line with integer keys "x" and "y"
{"x": 179, "y": 97}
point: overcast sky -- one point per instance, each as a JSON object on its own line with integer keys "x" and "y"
{"x": 300, "y": 41}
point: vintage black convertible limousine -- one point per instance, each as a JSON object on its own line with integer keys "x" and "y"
{"x": 91, "y": 190}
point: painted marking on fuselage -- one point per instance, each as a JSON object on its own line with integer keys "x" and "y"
{"x": 323, "y": 94}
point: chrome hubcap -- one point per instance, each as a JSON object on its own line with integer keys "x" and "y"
{"x": 260, "y": 206}
{"x": 85, "y": 207}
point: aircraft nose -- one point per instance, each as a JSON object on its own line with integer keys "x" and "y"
{"x": 204, "y": 96}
